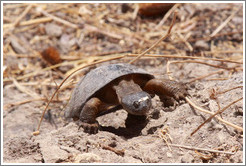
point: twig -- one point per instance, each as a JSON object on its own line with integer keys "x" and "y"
{"x": 11, "y": 6}
{"x": 67, "y": 23}
{"x": 118, "y": 152}
{"x": 187, "y": 57}
{"x": 105, "y": 60}
{"x": 221, "y": 92}
{"x": 30, "y": 22}
{"x": 201, "y": 149}
{"x": 203, "y": 156}
{"x": 30, "y": 100}
{"x": 102, "y": 31}
{"x": 185, "y": 41}
{"x": 207, "y": 38}
{"x": 135, "y": 12}
{"x": 164, "y": 134}
{"x": 24, "y": 90}
{"x": 169, "y": 74}
{"x": 207, "y": 75}
{"x": 224, "y": 23}
{"x": 156, "y": 43}
{"x": 218, "y": 112}
{"x": 204, "y": 63}
{"x": 223, "y": 51}
{"x": 170, "y": 11}
{"x": 214, "y": 93}
{"x": 17, "y": 21}
{"x": 208, "y": 112}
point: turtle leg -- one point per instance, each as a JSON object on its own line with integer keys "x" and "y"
{"x": 89, "y": 113}
{"x": 166, "y": 87}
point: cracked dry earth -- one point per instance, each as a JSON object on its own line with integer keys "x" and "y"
{"x": 139, "y": 143}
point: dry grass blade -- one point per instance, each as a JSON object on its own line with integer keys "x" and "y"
{"x": 17, "y": 21}
{"x": 218, "y": 112}
{"x": 167, "y": 15}
{"x": 201, "y": 149}
{"x": 7, "y": 106}
{"x": 24, "y": 89}
{"x": 185, "y": 41}
{"x": 116, "y": 151}
{"x": 188, "y": 57}
{"x": 207, "y": 75}
{"x": 29, "y": 22}
{"x": 208, "y": 112}
{"x": 164, "y": 134}
{"x": 39, "y": 9}
{"x": 156, "y": 43}
{"x": 204, "y": 63}
{"x": 224, "y": 23}
{"x": 221, "y": 92}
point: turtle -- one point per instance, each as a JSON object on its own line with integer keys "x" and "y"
{"x": 118, "y": 84}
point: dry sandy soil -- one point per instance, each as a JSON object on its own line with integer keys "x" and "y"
{"x": 122, "y": 140}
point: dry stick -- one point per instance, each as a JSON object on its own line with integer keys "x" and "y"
{"x": 207, "y": 38}
{"x": 11, "y": 6}
{"x": 29, "y": 22}
{"x": 204, "y": 156}
{"x": 204, "y": 76}
{"x": 24, "y": 89}
{"x": 30, "y": 100}
{"x": 204, "y": 63}
{"x": 224, "y": 23}
{"x": 187, "y": 57}
{"x": 17, "y": 21}
{"x": 156, "y": 43}
{"x": 185, "y": 41}
{"x": 201, "y": 149}
{"x": 167, "y": 15}
{"x": 218, "y": 112}
{"x": 26, "y": 29}
{"x": 39, "y": 9}
{"x": 37, "y": 132}
{"x": 229, "y": 89}
{"x": 169, "y": 74}
{"x": 118, "y": 152}
{"x": 135, "y": 12}
{"x": 208, "y": 112}
{"x": 223, "y": 51}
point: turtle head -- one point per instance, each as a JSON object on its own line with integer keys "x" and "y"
{"x": 137, "y": 103}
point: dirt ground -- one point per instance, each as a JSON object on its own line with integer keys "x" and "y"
{"x": 165, "y": 136}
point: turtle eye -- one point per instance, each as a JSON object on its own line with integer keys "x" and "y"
{"x": 136, "y": 104}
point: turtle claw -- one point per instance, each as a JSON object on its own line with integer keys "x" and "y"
{"x": 181, "y": 95}
{"x": 91, "y": 128}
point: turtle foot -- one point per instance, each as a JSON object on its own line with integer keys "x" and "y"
{"x": 91, "y": 128}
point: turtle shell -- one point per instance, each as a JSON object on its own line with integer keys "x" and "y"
{"x": 94, "y": 81}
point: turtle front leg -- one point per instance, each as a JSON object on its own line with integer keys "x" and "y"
{"x": 166, "y": 87}
{"x": 89, "y": 113}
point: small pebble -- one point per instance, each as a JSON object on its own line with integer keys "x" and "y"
{"x": 202, "y": 44}
{"x": 53, "y": 30}
{"x": 169, "y": 155}
{"x": 87, "y": 158}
